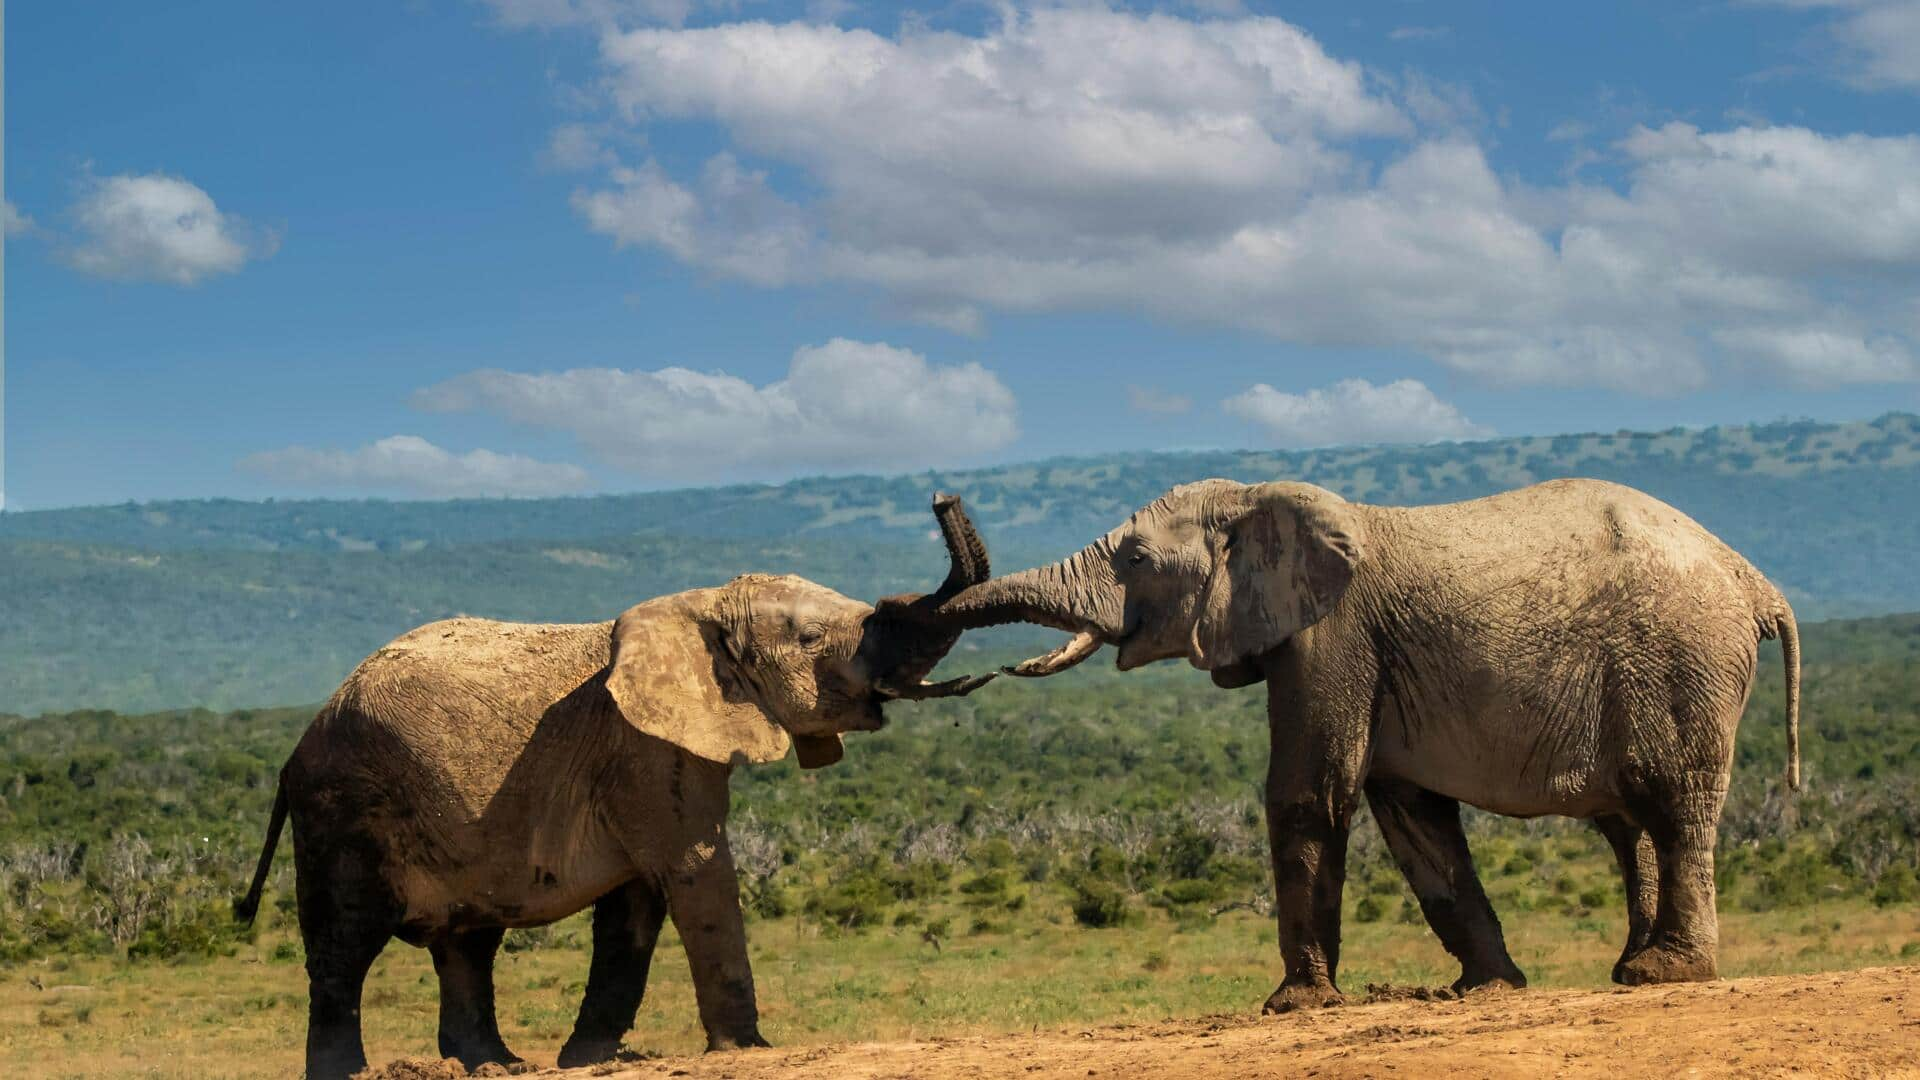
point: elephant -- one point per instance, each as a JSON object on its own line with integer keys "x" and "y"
{"x": 474, "y": 776}
{"x": 1575, "y": 647}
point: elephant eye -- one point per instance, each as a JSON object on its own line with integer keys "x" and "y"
{"x": 812, "y": 636}
{"x": 1136, "y": 559}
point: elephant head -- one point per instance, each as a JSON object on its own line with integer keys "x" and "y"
{"x": 1217, "y": 572}
{"x": 742, "y": 671}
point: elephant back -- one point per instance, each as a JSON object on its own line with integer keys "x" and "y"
{"x": 442, "y": 715}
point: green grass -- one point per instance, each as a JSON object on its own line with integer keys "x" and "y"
{"x": 244, "y": 1015}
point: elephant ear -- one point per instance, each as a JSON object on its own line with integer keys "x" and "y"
{"x": 675, "y": 675}
{"x": 1280, "y": 564}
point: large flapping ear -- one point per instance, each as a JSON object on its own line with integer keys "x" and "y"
{"x": 1280, "y": 563}
{"x": 674, "y": 675}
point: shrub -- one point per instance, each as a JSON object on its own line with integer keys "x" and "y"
{"x": 1897, "y": 885}
{"x": 1099, "y": 904}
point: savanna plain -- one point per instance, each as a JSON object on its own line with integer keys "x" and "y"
{"x": 1037, "y": 863}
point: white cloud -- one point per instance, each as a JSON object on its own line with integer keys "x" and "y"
{"x": 17, "y": 223}
{"x": 1879, "y": 41}
{"x": 1149, "y": 399}
{"x": 158, "y": 228}
{"x": 411, "y": 465}
{"x": 577, "y": 148}
{"x": 1819, "y": 356}
{"x": 1353, "y": 411}
{"x": 1209, "y": 171}
{"x": 844, "y": 404}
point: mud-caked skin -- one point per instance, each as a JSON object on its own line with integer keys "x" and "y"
{"x": 1575, "y": 648}
{"x": 474, "y": 776}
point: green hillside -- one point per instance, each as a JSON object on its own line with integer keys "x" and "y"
{"x": 225, "y": 604}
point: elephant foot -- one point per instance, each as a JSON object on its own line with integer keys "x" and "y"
{"x": 1509, "y": 979}
{"x": 579, "y": 1051}
{"x": 1665, "y": 964}
{"x": 516, "y": 1067}
{"x": 495, "y": 1057}
{"x": 1291, "y": 996}
{"x": 744, "y": 1040}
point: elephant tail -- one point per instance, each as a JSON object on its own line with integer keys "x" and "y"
{"x": 1780, "y": 623}
{"x": 247, "y": 906}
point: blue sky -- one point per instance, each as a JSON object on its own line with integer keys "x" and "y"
{"x": 539, "y": 246}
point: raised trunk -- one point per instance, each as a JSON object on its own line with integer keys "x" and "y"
{"x": 1077, "y": 594}
{"x": 903, "y": 642}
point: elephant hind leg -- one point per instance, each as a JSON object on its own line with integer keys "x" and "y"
{"x": 1686, "y": 928}
{"x": 347, "y": 916}
{"x": 469, "y": 1029}
{"x": 1640, "y": 875}
{"x": 1422, "y": 829}
{"x": 626, "y": 925}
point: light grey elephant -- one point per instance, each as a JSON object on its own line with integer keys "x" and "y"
{"x": 1575, "y": 648}
{"x": 473, "y": 776}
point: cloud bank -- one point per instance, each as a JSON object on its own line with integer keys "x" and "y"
{"x": 408, "y": 464}
{"x": 1212, "y": 171}
{"x": 843, "y": 405}
{"x": 1353, "y": 411}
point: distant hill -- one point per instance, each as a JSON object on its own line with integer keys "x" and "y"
{"x": 223, "y": 603}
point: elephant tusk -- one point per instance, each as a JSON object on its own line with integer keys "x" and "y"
{"x": 1083, "y": 645}
{"x": 923, "y": 690}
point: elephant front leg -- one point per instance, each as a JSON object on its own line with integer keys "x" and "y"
{"x": 1422, "y": 829}
{"x": 1313, "y": 782}
{"x": 626, "y": 925}
{"x": 1640, "y": 876}
{"x": 704, "y": 899}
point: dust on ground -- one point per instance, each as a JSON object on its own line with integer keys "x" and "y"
{"x": 1853, "y": 1024}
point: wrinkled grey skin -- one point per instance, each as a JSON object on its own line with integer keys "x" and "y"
{"x": 1574, "y": 648}
{"x": 474, "y": 776}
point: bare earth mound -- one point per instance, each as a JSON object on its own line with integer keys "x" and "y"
{"x": 1860, "y": 1023}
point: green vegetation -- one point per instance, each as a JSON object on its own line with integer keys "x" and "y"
{"x": 1091, "y": 799}
{"x": 229, "y": 604}
{"x": 1085, "y": 849}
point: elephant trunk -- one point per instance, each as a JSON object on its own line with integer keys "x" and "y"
{"x": 903, "y": 642}
{"x": 1077, "y": 594}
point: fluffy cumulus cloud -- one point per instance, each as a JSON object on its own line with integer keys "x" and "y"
{"x": 843, "y": 405}
{"x": 410, "y": 465}
{"x": 158, "y": 228}
{"x": 1211, "y": 171}
{"x": 1352, "y": 411}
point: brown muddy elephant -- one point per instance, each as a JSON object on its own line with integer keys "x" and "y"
{"x": 474, "y": 776}
{"x": 1575, "y": 648}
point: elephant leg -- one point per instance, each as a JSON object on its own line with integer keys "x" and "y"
{"x": 1422, "y": 829}
{"x": 469, "y": 1030}
{"x": 1686, "y": 928}
{"x": 346, "y": 918}
{"x": 626, "y": 924}
{"x": 1313, "y": 783}
{"x": 703, "y": 896}
{"x": 1640, "y": 874}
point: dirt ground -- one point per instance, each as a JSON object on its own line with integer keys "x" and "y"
{"x": 1855, "y": 1024}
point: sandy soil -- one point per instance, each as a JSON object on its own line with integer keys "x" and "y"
{"x": 1857, "y": 1024}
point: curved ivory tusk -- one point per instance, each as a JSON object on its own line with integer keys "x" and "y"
{"x": 1082, "y": 646}
{"x": 921, "y": 691}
